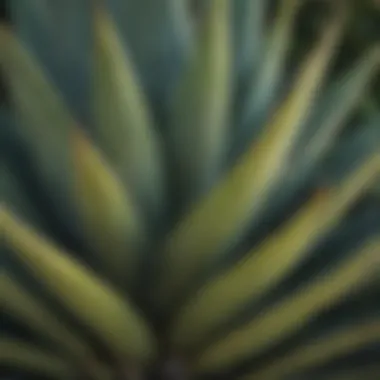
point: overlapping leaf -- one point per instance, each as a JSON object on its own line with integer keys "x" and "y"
{"x": 200, "y": 114}
{"x": 322, "y": 349}
{"x": 288, "y": 315}
{"x": 111, "y": 220}
{"x": 226, "y": 211}
{"x": 26, "y": 356}
{"x": 85, "y": 295}
{"x": 123, "y": 121}
{"x": 265, "y": 265}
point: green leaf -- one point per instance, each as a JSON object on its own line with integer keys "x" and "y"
{"x": 288, "y": 315}
{"x": 21, "y": 355}
{"x": 44, "y": 121}
{"x": 227, "y": 211}
{"x": 59, "y": 35}
{"x": 123, "y": 122}
{"x": 249, "y": 35}
{"x": 200, "y": 117}
{"x": 91, "y": 300}
{"x": 265, "y": 82}
{"x": 110, "y": 220}
{"x": 159, "y": 36}
{"x": 337, "y": 105}
{"x": 13, "y": 194}
{"x": 321, "y": 350}
{"x": 19, "y": 303}
{"x": 264, "y": 266}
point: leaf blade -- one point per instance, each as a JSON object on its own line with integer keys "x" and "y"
{"x": 90, "y": 299}
{"x": 286, "y": 316}
{"x": 224, "y": 216}
{"x": 124, "y": 125}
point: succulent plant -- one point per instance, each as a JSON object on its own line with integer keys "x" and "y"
{"x": 188, "y": 194}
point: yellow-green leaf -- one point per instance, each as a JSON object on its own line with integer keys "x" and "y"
{"x": 93, "y": 302}
{"x": 112, "y": 223}
{"x": 19, "y": 303}
{"x": 288, "y": 315}
{"x": 360, "y": 372}
{"x": 45, "y": 122}
{"x": 265, "y": 83}
{"x": 13, "y": 194}
{"x": 318, "y": 351}
{"x": 337, "y": 105}
{"x": 200, "y": 117}
{"x": 124, "y": 125}
{"x": 23, "y": 306}
{"x": 224, "y": 215}
{"x": 266, "y": 265}
{"x": 24, "y": 356}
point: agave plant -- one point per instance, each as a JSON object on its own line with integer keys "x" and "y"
{"x": 188, "y": 196}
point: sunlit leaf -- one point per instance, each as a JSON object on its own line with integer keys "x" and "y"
{"x": 266, "y": 80}
{"x": 227, "y": 211}
{"x": 320, "y": 350}
{"x": 19, "y": 303}
{"x": 265, "y": 265}
{"x": 294, "y": 311}
{"x": 85, "y": 295}
{"x": 337, "y": 105}
{"x": 110, "y": 219}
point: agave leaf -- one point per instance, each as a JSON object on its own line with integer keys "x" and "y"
{"x": 110, "y": 219}
{"x": 21, "y": 304}
{"x": 226, "y": 216}
{"x": 14, "y": 196}
{"x": 199, "y": 121}
{"x": 86, "y": 296}
{"x": 336, "y": 106}
{"x": 266, "y": 81}
{"x": 58, "y": 33}
{"x": 122, "y": 118}
{"x": 347, "y": 152}
{"x": 159, "y": 50}
{"x": 350, "y": 150}
{"x": 321, "y": 350}
{"x": 44, "y": 118}
{"x": 265, "y": 265}
{"x": 18, "y": 302}
{"x": 363, "y": 372}
{"x": 288, "y": 315}
{"x": 309, "y": 160}
{"x": 25, "y": 356}
{"x": 249, "y": 32}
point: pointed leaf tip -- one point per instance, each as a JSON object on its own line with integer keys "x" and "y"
{"x": 109, "y": 217}
{"x": 124, "y": 125}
